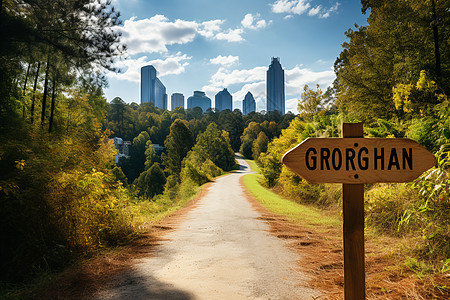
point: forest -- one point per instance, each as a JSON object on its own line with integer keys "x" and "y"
{"x": 63, "y": 198}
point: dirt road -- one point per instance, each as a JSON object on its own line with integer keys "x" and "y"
{"x": 221, "y": 250}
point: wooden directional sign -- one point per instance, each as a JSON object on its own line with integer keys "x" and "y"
{"x": 353, "y": 161}
{"x": 358, "y": 160}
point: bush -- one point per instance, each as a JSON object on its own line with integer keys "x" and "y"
{"x": 59, "y": 200}
{"x": 299, "y": 189}
{"x": 199, "y": 170}
{"x": 389, "y": 208}
{"x": 151, "y": 182}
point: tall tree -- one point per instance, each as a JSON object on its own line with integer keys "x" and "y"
{"x": 214, "y": 144}
{"x": 311, "y": 103}
{"x": 402, "y": 38}
{"x": 178, "y": 143}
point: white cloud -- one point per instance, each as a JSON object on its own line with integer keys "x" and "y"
{"x": 231, "y": 35}
{"x": 331, "y": 10}
{"x": 225, "y": 60}
{"x": 131, "y": 68}
{"x": 297, "y": 77}
{"x": 258, "y": 90}
{"x": 254, "y": 22}
{"x": 291, "y": 105}
{"x": 153, "y": 35}
{"x": 300, "y": 7}
{"x": 314, "y": 11}
{"x": 209, "y": 28}
{"x": 291, "y": 6}
{"x": 225, "y": 78}
{"x": 283, "y": 6}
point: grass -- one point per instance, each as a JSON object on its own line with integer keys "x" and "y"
{"x": 253, "y": 166}
{"x": 393, "y": 267}
{"x": 295, "y": 212}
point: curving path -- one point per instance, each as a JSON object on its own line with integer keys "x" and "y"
{"x": 221, "y": 250}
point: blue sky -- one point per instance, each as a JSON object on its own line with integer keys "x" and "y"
{"x": 210, "y": 45}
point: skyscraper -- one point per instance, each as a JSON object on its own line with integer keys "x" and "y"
{"x": 152, "y": 89}
{"x": 199, "y": 99}
{"x": 223, "y": 100}
{"x": 249, "y": 104}
{"x": 177, "y": 100}
{"x": 275, "y": 86}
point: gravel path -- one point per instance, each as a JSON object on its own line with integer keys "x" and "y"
{"x": 221, "y": 250}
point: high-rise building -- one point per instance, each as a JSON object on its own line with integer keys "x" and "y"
{"x": 176, "y": 100}
{"x": 249, "y": 104}
{"x": 223, "y": 100}
{"x": 275, "y": 86}
{"x": 199, "y": 99}
{"x": 152, "y": 89}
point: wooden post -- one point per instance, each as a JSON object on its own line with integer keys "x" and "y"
{"x": 353, "y": 210}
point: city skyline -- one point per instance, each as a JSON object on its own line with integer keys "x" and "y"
{"x": 222, "y": 100}
{"x": 208, "y": 48}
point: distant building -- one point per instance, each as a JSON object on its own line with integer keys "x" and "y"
{"x": 199, "y": 99}
{"x": 158, "y": 148}
{"x": 275, "y": 86}
{"x": 176, "y": 100}
{"x": 249, "y": 104}
{"x": 152, "y": 89}
{"x": 223, "y": 100}
{"x": 122, "y": 147}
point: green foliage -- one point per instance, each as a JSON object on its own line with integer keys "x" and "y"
{"x": 198, "y": 170}
{"x": 271, "y": 166}
{"x": 178, "y": 143}
{"x": 150, "y": 155}
{"x": 270, "y": 129}
{"x": 416, "y": 99}
{"x": 424, "y": 131}
{"x": 214, "y": 144}
{"x": 402, "y": 39}
{"x": 260, "y": 145}
{"x": 233, "y": 123}
{"x": 386, "y": 129}
{"x": 434, "y": 188}
{"x": 210, "y": 155}
{"x": 90, "y": 210}
{"x": 311, "y": 102}
{"x": 387, "y": 207}
{"x": 246, "y": 149}
{"x": 60, "y": 199}
{"x": 249, "y": 135}
{"x": 151, "y": 182}
{"x": 271, "y": 160}
{"x": 120, "y": 176}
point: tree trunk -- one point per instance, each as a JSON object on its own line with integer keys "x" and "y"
{"x": 26, "y": 79}
{"x": 44, "y": 96}
{"x": 33, "y": 99}
{"x": 437, "y": 55}
{"x": 1, "y": 10}
{"x": 24, "y": 89}
{"x": 52, "y": 107}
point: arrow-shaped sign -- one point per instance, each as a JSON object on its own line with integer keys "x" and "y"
{"x": 358, "y": 160}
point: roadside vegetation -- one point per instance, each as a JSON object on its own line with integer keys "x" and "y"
{"x": 63, "y": 198}
{"x": 396, "y": 93}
